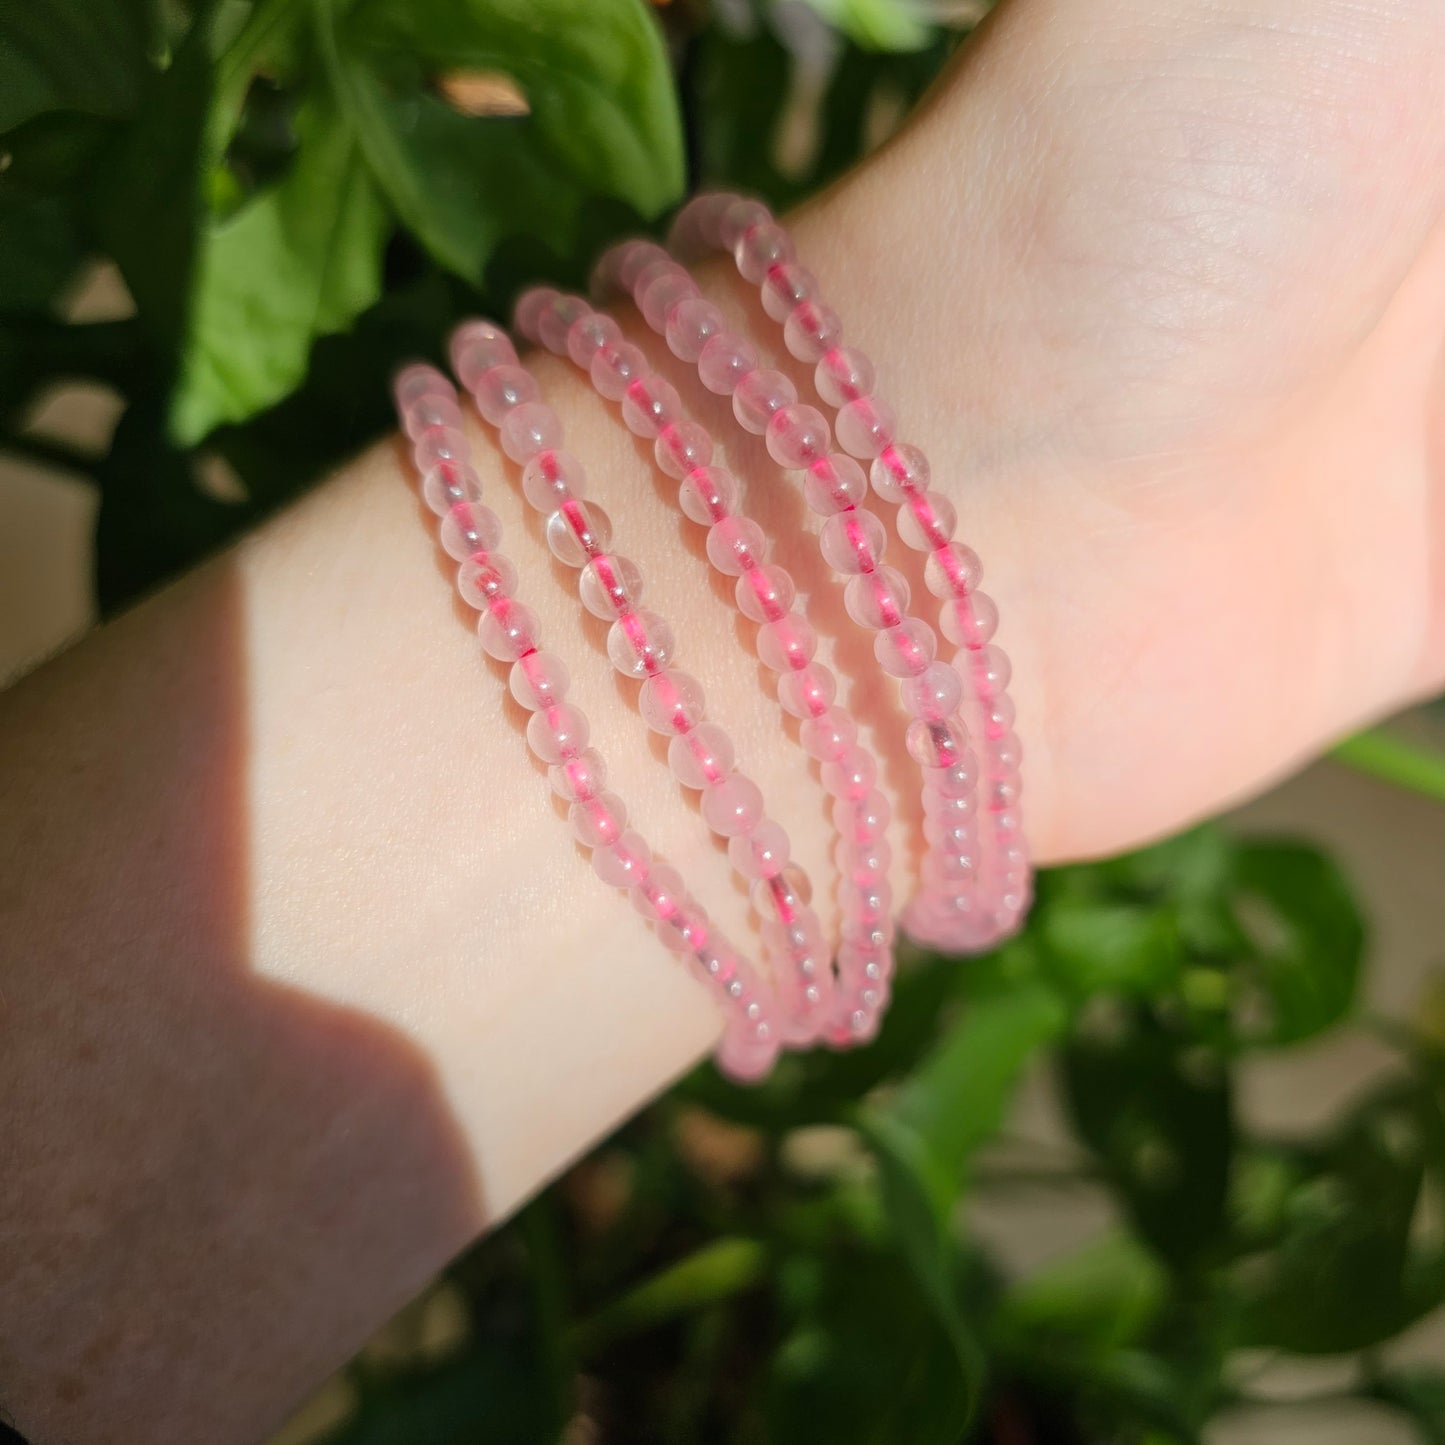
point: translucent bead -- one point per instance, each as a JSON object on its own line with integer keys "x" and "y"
{"x": 926, "y": 521}
{"x": 746, "y": 1055}
{"x": 864, "y": 819}
{"x": 990, "y": 669}
{"x": 708, "y": 494}
{"x": 577, "y": 779}
{"x": 809, "y": 692}
{"x": 758, "y": 395}
{"x": 953, "y": 782}
{"x": 555, "y": 322}
{"x": 661, "y": 894}
{"x": 660, "y": 294}
{"x": 1004, "y": 793}
{"x": 834, "y": 483}
{"x": 700, "y": 757}
{"x": 691, "y": 324}
{"x": 481, "y": 580}
{"x": 610, "y": 585}
{"x": 852, "y": 542}
{"x": 529, "y": 428}
{"x": 797, "y": 435}
{"x": 735, "y": 545}
{"x": 508, "y": 629}
{"x": 865, "y": 426}
{"x": 1007, "y": 751}
{"x": 863, "y": 863}
{"x": 448, "y": 485}
{"x": 828, "y": 736}
{"x": 590, "y": 334}
{"x": 969, "y": 621}
{"x": 538, "y": 680}
{"x": 898, "y": 471}
{"x": 687, "y": 930}
{"x": 998, "y": 715}
{"x": 578, "y": 531}
{"x": 470, "y": 527}
{"x": 476, "y": 347}
{"x": 906, "y": 650}
{"x": 735, "y": 217}
{"x": 724, "y": 361}
{"x": 640, "y": 643}
{"x": 671, "y": 701}
{"x": 599, "y": 821}
{"x": 649, "y": 404}
{"x": 557, "y": 733}
{"x": 503, "y": 387}
{"x": 843, "y": 374}
{"x": 783, "y": 896}
{"x": 878, "y": 599}
{"x": 615, "y": 368}
{"x": 762, "y": 853}
{"x": 732, "y": 805}
{"x": 434, "y": 409}
{"x": 765, "y": 594}
{"x": 530, "y": 305}
{"x": 811, "y": 329}
{"x": 950, "y": 810}
{"x": 634, "y": 257}
{"x": 551, "y": 478}
{"x": 851, "y": 775}
{"x": 440, "y": 446}
{"x": 682, "y": 447}
{"x": 935, "y": 693}
{"x": 787, "y": 644}
{"x": 936, "y": 744}
{"x": 785, "y": 285}
{"x": 952, "y": 571}
{"x": 625, "y": 863}
{"x": 419, "y": 380}
{"x": 761, "y": 246}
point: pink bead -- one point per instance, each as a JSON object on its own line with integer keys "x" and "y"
{"x": 508, "y": 629}
{"x": 649, "y": 404}
{"x": 577, "y": 779}
{"x": 671, "y": 701}
{"x": 969, "y": 621}
{"x": 809, "y": 692}
{"x": 470, "y": 527}
{"x": 700, "y": 757}
{"x": 708, "y": 494}
{"x": 950, "y": 810}
{"x": 877, "y": 600}
{"x": 937, "y": 744}
{"x": 661, "y": 894}
{"x": 448, "y": 485}
{"x": 640, "y": 643}
{"x": 554, "y": 322}
{"x": 663, "y": 292}
{"x": 782, "y": 897}
{"x": 538, "y": 680}
{"x": 557, "y": 733}
{"x": 760, "y": 247}
{"x": 736, "y": 217}
{"x": 956, "y": 781}
{"x": 499, "y": 390}
{"x": 989, "y": 668}
{"x": 834, "y": 483}
{"x": 416, "y": 381}
{"x": 998, "y": 715}
{"x": 625, "y": 863}
{"x": 843, "y": 375}
{"x": 865, "y": 426}
{"x": 598, "y": 822}
{"x": 863, "y": 863}
{"x": 758, "y": 395}
{"x": 952, "y": 571}
{"x": 577, "y": 531}
{"x": 852, "y": 542}
{"x": 530, "y": 305}
{"x": 633, "y": 257}
{"x": 433, "y": 409}
{"x": 682, "y": 447}
{"x": 852, "y": 775}
{"x": 687, "y": 930}
{"x": 906, "y": 650}
{"x": 724, "y": 361}
{"x": 787, "y": 644}
{"x": 829, "y": 736}
{"x": 864, "y": 819}
{"x": 732, "y": 805}
{"x": 476, "y": 347}
{"x": 785, "y": 286}
{"x": 761, "y": 853}
{"x": 797, "y": 435}
{"x": 1007, "y": 751}
{"x": 482, "y": 580}
{"x": 765, "y": 594}
{"x": 528, "y": 429}
{"x": 615, "y": 368}
{"x": 926, "y": 521}
{"x": 735, "y": 545}
{"x": 610, "y": 585}
{"x": 691, "y": 324}
{"x": 898, "y": 471}
{"x": 934, "y": 694}
{"x": 590, "y": 334}
{"x": 811, "y": 330}
{"x": 551, "y": 478}
{"x": 440, "y": 446}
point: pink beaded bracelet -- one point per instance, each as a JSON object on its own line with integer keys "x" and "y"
{"x": 737, "y": 548}
{"x": 557, "y": 731}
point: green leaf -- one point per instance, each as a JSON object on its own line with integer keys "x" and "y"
{"x": 877, "y": 24}
{"x": 301, "y": 260}
{"x": 603, "y": 116}
{"x": 1420, "y": 1395}
{"x": 1097, "y": 946}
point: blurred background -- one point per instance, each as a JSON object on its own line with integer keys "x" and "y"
{"x": 1169, "y": 1168}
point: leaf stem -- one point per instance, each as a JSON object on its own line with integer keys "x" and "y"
{"x": 1382, "y": 755}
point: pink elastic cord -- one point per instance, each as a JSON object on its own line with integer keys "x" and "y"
{"x": 557, "y": 730}
{"x": 737, "y": 548}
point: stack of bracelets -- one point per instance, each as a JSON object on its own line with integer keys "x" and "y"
{"x": 974, "y": 886}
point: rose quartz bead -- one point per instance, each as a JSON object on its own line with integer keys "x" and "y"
{"x": 625, "y": 863}
{"x": 416, "y": 381}
{"x": 1007, "y": 751}
{"x": 481, "y": 580}
{"x": 864, "y": 819}
{"x": 724, "y": 361}
{"x": 470, "y": 527}
{"x": 969, "y": 621}
{"x": 906, "y": 650}
{"x": 615, "y": 368}
{"x": 557, "y": 733}
{"x": 852, "y": 542}
{"x": 781, "y": 897}
{"x": 758, "y": 395}
{"x": 746, "y": 1058}
{"x": 809, "y": 692}
{"x": 829, "y": 736}
{"x": 501, "y": 389}
{"x": 634, "y": 257}
{"x": 952, "y": 571}
{"x": 590, "y": 334}
{"x": 785, "y": 286}
{"x": 733, "y": 218}
{"x": 787, "y": 644}
{"x": 577, "y": 532}
{"x": 732, "y": 805}
{"x": 508, "y": 629}
{"x": 877, "y": 599}
{"x": 990, "y": 669}
{"x": 434, "y": 409}
{"x": 640, "y": 643}
{"x": 956, "y": 781}
{"x": 899, "y": 471}
{"x": 951, "y": 810}
{"x": 476, "y": 347}
{"x": 529, "y": 428}
{"x": 610, "y": 585}
{"x": 556, "y": 320}
{"x": 761, "y": 853}
{"x": 852, "y": 775}
{"x": 937, "y": 744}
{"x": 649, "y": 404}
{"x": 440, "y": 446}
{"x": 538, "y": 680}
{"x": 865, "y": 426}
{"x": 551, "y": 478}
{"x": 760, "y": 247}
{"x": 708, "y": 494}
{"x": 682, "y": 447}
{"x": 735, "y": 545}
{"x": 927, "y": 521}
{"x": 576, "y": 779}
{"x": 834, "y": 483}
{"x": 597, "y": 822}
{"x": 671, "y": 701}
{"x": 530, "y": 305}
{"x": 691, "y": 324}
{"x": 660, "y": 894}
{"x": 449, "y": 484}
{"x": 701, "y": 756}
{"x": 687, "y": 930}
{"x": 765, "y": 594}
{"x": 842, "y": 375}
{"x": 663, "y": 292}
{"x": 934, "y": 694}
{"x": 863, "y": 862}
{"x": 797, "y": 435}
{"x": 811, "y": 330}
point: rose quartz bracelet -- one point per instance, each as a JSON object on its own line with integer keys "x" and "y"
{"x": 557, "y": 731}
{"x": 785, "y": 641}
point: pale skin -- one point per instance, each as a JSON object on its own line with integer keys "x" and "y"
{"x": 305, "y": 985}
